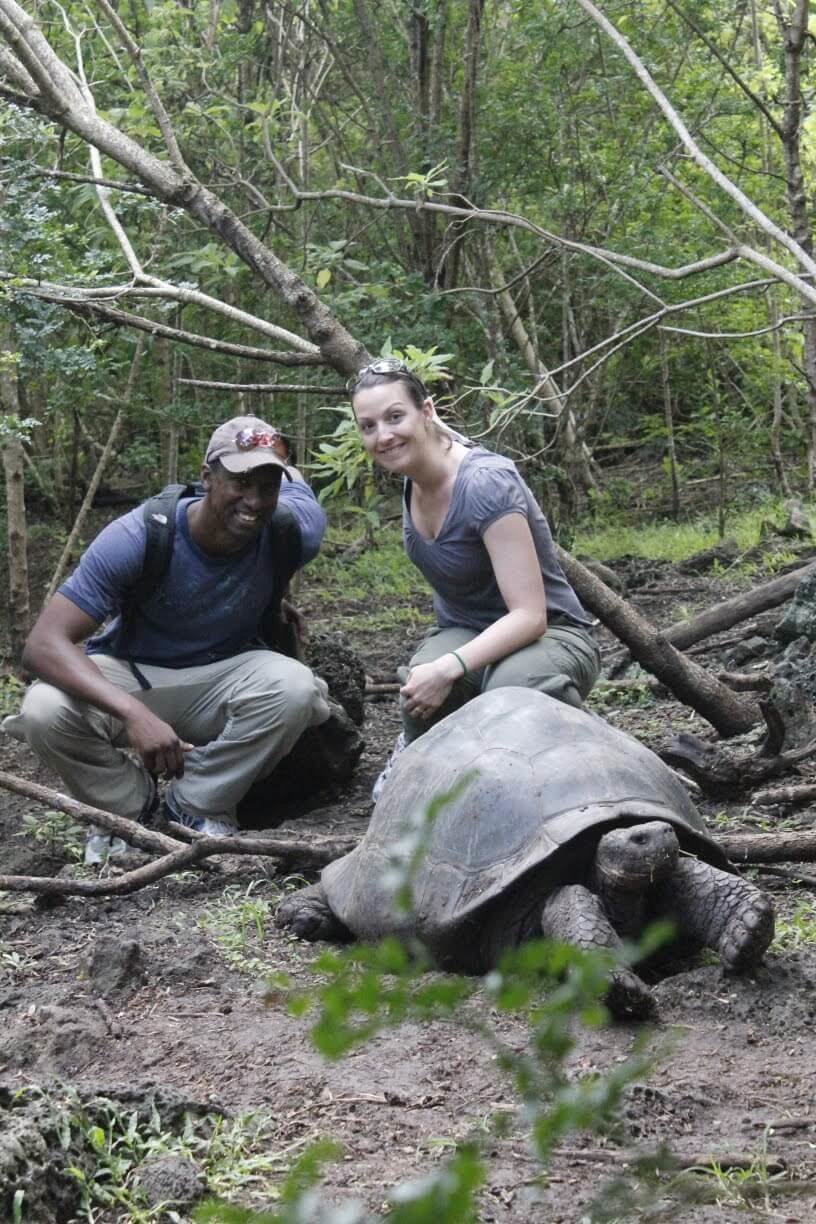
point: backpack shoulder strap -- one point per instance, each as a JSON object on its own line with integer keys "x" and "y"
{"x": 160, "y": 529}
{"x": 287, "y": 556}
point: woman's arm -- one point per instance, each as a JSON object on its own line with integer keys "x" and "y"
{"x": 512, "y": 553}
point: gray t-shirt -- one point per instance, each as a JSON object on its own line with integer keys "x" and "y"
{"x": 457, "y": 564}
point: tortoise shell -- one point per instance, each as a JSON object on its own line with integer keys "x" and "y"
{"x": 535, "y": 783}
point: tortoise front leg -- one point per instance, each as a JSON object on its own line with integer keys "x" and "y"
{"x": 309, "y": 916}
{"x": 574, "y": 915}
{"x": 718, "y": 910}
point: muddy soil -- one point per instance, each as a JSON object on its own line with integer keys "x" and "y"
{"x": 158, "y": 1000}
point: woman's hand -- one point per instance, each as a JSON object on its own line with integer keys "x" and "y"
{"x": 428, "y": 685}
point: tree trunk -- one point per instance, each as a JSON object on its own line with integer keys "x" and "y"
{"x": 19, "y": 605}
{"x": 668, "y": 417}
{"x": 728, "y": 712}
{"x": 794, "y": 34}
{"x": 13, "y": 468}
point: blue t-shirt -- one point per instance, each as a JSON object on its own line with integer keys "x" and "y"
{"x": 205, "y": 608}
{"x": 456, "y": 563}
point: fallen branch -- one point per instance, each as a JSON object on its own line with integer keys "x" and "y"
{"x": 722, "y": 777}
{"x": 728, "y": 712}
{"x": 801, "y": 792}
{"x": 788, "y": 873}
{"x": 725, "y": 615}
{"x": 799, "y": 847}
{"x": 176, "y": 855}
{"x": 672, "y": 1160}
{"x": 129, "y": 830}
{"x": 289, "y": 854}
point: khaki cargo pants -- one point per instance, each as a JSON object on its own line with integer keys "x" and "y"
{"x": 242, "y": 714}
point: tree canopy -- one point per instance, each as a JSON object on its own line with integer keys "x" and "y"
{"x": 601, "y": 218}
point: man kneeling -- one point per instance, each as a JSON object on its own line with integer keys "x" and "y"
{"x": 182, "y": 678}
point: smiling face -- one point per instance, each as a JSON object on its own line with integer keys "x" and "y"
{"x": 392, "y": 425}
{"x": 237, "y": 506}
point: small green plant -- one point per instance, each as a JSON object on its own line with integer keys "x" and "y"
{"x": 56, "y": 832}
{"x": 796, "y": 931}
{"x": 15, "y": 964}
{"x": 238, "y": 924}
{"x": 609, "y": 696}
{"x": 742, "y": 1186}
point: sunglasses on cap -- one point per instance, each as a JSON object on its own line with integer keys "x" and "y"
{"x": 248, "y": 439}
{"x": 386, "y": 365}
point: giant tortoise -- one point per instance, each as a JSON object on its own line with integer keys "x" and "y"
{"x": 563, "y": 825}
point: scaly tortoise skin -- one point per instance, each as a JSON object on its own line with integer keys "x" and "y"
{"x": 564, "y": 825}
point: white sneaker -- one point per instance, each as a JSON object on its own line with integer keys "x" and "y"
{"x": 100, "y": 845}
{"x": 199, "y": 824}
{"x": 399, "y": 746}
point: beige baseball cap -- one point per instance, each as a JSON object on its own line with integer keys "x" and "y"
{"x": 244, "y": 443}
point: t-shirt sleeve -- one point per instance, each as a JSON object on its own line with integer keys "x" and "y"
{"x": 309, "y": 514}
{"x": 492, "y": 493}
{"x": 108, "y": 568}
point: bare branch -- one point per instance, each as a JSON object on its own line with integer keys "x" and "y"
{"x": 301, "y": 388}
{"x": 122, "y": 318}
{"x": 37, "y": 172}
{"x": 726, "y": 65}
{"x": 165, "y": 127}
{"x": 747, "y": 206}
{"x": 698, "y": 204}
{"x": 745, "y": 335}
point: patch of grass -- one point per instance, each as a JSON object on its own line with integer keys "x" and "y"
{"x": 370, "y": 573}
{"x": 108, "y": 1144}
{"x": 238, "y": 923}
{"x": 607, "y": 696}
{"x": 798, "y": 930}
{"x": 673, "y": 541}
{"x": 738, "y": 1187}
{"x": 375, "y": 622}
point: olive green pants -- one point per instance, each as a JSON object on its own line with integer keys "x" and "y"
{"x": 564, "y": 663}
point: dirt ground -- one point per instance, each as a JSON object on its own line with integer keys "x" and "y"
{"x": 163, "y": 992}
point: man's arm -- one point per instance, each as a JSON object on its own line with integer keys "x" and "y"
{"x": 298, "y": 497}
{"x": 52, "y": 652}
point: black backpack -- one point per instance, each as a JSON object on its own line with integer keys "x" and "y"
{"x": 160, "y": 521}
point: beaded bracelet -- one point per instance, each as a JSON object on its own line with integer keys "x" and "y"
{"x": 460, "y": 661}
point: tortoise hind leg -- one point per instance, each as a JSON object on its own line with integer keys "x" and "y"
{"x": 308, "y": 915}
{"x": 719, "y": 910}
{"x": 574, "y": 915}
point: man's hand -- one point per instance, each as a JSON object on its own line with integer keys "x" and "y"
{"x": 156, "y": 742}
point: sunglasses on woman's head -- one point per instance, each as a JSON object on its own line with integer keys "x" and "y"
{"x": 386, "y": 365}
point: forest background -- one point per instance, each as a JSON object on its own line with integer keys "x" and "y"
{"x": 589, "y": 231}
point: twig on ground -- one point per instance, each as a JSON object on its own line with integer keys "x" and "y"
{"x": 788, "y": 873}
